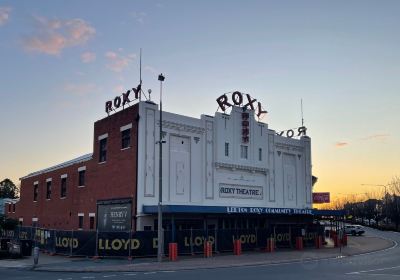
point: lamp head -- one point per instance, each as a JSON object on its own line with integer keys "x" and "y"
{"x": 161, "y": 78}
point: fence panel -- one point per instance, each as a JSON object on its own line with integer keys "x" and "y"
{"x": 144, "y": 243}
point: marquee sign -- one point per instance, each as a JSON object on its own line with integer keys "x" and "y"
{"x": 122, "y": 100}
{"x": 152, "y": 209}
{"x": 265, "y": 210}
{"x": 236, "y": 191}
{"x": 240, "y": 99}
{"x": 245, "y": 128}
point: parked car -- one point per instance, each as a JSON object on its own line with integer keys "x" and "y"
{"x": 354, "y": 230}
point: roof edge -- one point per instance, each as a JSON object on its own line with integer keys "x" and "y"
{"x": 80, "y": 159}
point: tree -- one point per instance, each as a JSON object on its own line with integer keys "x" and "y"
{"x": 394, "y": 201}
{"x": 8, "y": 189}
{"x": 7, "y": 223}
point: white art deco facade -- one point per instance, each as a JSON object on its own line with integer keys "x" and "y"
{"x": 220, "y": 171}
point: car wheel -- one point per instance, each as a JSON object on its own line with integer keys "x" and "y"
{"x": 353, "y": 233}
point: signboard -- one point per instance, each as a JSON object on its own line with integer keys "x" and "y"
{"x": 240, "y": 99}
{"x": 245, "y": 128}
{"x": 237, "y": 191}
{"x": 290, "y": 133}
{"x": 122, "y": 100}
{"x": 152, "y": 209}
{"x": 321, "y": 197}
{"x": 114, "y": 215}
{"x": 264, "y": 210}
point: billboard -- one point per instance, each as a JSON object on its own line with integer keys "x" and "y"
{"x": 114, "y": 215}
{"x": 321, "y": 197}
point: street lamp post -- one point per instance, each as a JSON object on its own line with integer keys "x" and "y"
{"x": 160, "y": 236}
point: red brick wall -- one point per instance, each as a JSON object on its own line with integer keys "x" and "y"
{"x": 115, "y": 178}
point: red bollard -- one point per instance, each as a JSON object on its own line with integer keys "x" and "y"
{"x": 237, "y": 247}
{"x": 299, "y": 243}
{"x": 335, "y": 240}
{"x": 173, "y": 251}
{"x": 207, "y": 249}
{"x": 344, "y": 241}
{"x": 318, "y": 242}
{"x": 270, "y": 245}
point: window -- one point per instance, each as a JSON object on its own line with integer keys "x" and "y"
{"x": 103, "y": 150}
{"x": 126, "y": 138}
{"x": 13, "y": 206}
{"x": 91, "y": 222}
{"x": 244, "y": 151}
{"x": 147, "y": 228}
{"x": 63, "y": 187}
{"x": 35, "y": 222}
{"x": 260, "y": 154}
{"x": 9, "y": 207}
{"x": 48, "y": 189}
{"x": 81, "y": 178}
{"x": 80, "y": 221}
{"x": 35, "y": 191}
{"x": 226, "y": 149}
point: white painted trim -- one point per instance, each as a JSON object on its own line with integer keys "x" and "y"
{"x": 48, "y": 180}
{"x": 81, "y": 186}
{"x": 125, "y": 127}
{"x": 64, "y": 176}
{"x": 103, "y": 136}
{"x": 126, "y": 148}
{"x": 35, "y": 219}
{"x": 82, "y": 168}
{"x": 36, "y": 183}
{"x": 20, "y": 219}
{"x": 92, "y": 214}
{"x": 81, "y": 214}
{"x": 62, "y": 165}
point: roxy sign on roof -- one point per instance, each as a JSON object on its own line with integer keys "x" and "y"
{"x": 240, "y": 99}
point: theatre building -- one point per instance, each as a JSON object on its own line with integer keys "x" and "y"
{"x": 223, "y": 171}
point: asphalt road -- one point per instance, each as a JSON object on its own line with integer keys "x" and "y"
{"x": 378, "y": 265}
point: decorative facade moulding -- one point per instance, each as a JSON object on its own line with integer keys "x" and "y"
{"x": 182, "y": 127}
{"x": 288, "y": 147}
{"x": 241, "y": 167}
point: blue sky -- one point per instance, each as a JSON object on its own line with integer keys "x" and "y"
{"x": 61, "y": 60}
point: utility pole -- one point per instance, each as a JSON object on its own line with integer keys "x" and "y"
{"x": 160, "y": 235}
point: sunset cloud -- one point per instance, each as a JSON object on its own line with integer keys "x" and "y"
{"x": 4, "y": 15}
{"x": 118, "y": 62}
{"x": 88, "y": 57}
{"x": 52, "y": 36}
{"x": 341, "y": 144}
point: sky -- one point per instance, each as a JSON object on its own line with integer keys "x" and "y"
{"x": 61, "y": 60}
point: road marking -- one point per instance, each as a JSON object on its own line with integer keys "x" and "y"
{"x": 112, "y": 275}
{"x": 382, "y": 274}
{"x": 152, "y": 272}
{"x": 130, "y": 274}
{"x": 88, "y": 277}
{"x": 168, "y": 271}
{"x": 373, "y": 270}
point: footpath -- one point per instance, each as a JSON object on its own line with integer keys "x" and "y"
{"x": 356, "y": 245}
